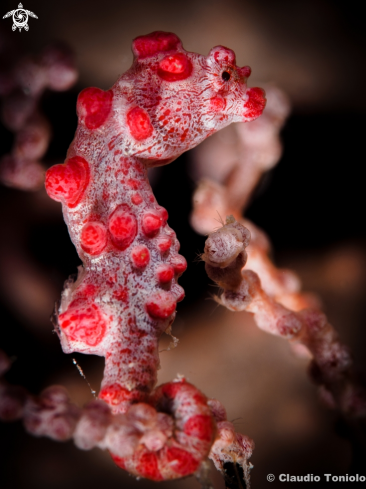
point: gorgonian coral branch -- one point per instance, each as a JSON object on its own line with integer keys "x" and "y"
{"x": 21, "y": 87}
{"x": 126, "y": 293}
{"x": 331, "y": 366}
{"x": 166, "y": 437}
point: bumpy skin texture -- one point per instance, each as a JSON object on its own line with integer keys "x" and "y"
{"x": 126, "y": 293}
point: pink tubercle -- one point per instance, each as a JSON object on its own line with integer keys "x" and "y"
{"x": 244, "y": 72}
{"x": 122, "y": 227}
{"x": 255, "y": 104}
{"x": 160, "y": 305}
{"x": 175, "y": 67}
{"x": 138, "y": 122}
{"x": 225, "y": 55}
{"x": 68, "y": 182}
{"x": 156, "y": 42}
{"x": 140, "y": 256}
{"x": 93, "y": 238}
{"x": 94, "y": 106}
{"x": 179, "y": 264}
{"x": 164, "y": 243}
{"x": 151, "y": 223}
{"x": 165, "y": 273}
{"x": 83, "y": 322}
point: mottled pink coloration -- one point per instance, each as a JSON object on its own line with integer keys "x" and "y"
{"x": 158, "y": 109}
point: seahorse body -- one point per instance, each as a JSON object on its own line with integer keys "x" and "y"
{"x": 126, "y": 292}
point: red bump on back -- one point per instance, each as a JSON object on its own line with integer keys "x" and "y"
{"x": 122, "y": 227}
{"x": 93, "y": 238}
{"x": 139, "y": 124}
{"x": 67, "y": 183}
{"x": 156, "y": 42}
{"x": 175, "y": 67}
{"x": 94, "y": 106}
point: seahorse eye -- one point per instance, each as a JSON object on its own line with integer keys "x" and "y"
{"x": 226, "y": 76}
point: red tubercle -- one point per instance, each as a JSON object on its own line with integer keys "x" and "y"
{"x": 93, "y": 238}
{"x": 138, "y": 122}
{"x": 217, "y": 103}
{"x": 140, "y": 256}
{"x": 244, "y": 72}
{"x": 181, "y": 461}
{"x": 151, "y": 223}
{"x": 156, "y": 42}
{"x": 136, "y": 199}
{"x": 164, "y": 243}
{"x": 83, "y": 322}
{"x": 200, "y": 426}
{"x": 160, "y": 305}
{"x": 255, "y": 104}
{"x": 165, "y": 273}
{"x": 122, "y": 227}
{"x": 179, "y": 264}
{"x": 67, "y": 183}
{"x": 175, "y": 67}
{"x": 115, "y": 394}
{"x": 148, "y": 466}
{"x": 225, "y": 55}
{"x": 163, "y": 213}
{"x": 94, "y": 106}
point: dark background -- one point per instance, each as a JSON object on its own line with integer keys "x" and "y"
{"x": 311, "y": 205}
